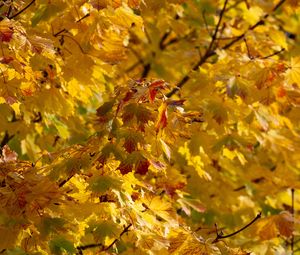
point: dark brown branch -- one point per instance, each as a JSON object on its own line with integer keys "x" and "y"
{"x": 146, "y": 70}
{"x": 221, "y": 236}
{"x": 85, "y": 16}
{"x": 214, "y": 36}
{"x": 59, "y": 32}
{"x": 100, "y": 245}
{"x": 125, "y": 230}
{"x": 63, "y": 182}
{"x": 209, "y": 52}
{"x": 274, "y": 54}
{"x": 163, "y": 39}
{"x": 24, "y": 9}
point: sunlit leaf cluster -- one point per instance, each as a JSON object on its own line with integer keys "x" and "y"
{"x": 149, "y": 127}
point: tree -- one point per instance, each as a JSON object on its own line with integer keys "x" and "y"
{"x": 149, "y": 127}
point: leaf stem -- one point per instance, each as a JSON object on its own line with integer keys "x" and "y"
{"x": 221, "y": 236}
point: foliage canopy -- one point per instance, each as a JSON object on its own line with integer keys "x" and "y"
{"x": 149, "y": 127}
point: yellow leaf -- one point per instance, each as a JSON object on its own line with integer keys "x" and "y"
{"x": 293, "y": 73}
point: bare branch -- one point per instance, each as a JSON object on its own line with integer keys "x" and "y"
{"x": 221, "y": 236}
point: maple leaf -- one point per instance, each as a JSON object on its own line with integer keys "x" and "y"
{"x": 282, "y": 224}
{"x": 154, "y": 88}
{"x": 293, "y": 73}
{"x": 162, "y": 117}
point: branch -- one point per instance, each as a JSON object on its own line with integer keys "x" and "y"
{"x": 146, "y": 70}
{"x": 221, "y": 236}
{"x": 209, "y": 52}
{"x": 63, "y": 182}
{"x": 103, "y": 248}
{"x": 24, "y": 9}
{"x": 273, "y": 54}
{"x": 85, "y": 16}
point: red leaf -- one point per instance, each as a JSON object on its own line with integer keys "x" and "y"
{"x": 130, "y": 144}
{"x": 6, "y": 60}
{"x": 142, "y": 167}
{"x": 153, "y": 88}
{"x": 125, "y": 168}
{"x": 6, "y": 30}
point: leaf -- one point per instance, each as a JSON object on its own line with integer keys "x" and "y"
{"x": 162, "y": 118}
{"x": 39, "y": 14}
{"x": 102, "y": 184}
{"x": 142, "y": 166}
{"x": 51, "y": 225}
{"x": 59, "y": 245}
{"x": 8, "y": 155}
{"x": 293, "y": 73}
{"x": 187, "y": 203}
{"x": 141, "y": 113}
{"x": 271, "y": 226}
{"x": 154, "y": 88}
{"x": 105, "y": 108}
{"x": 102, "y": 230}
{"x": 166, "y": 149}
{"x": 6, "y": 30}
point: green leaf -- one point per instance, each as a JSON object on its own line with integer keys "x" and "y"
{"x": 103, "y": 183}
{"x": 49, "y": 225}
{"x": 39, "y": 14}
{"x": 102, "y": 230}
{"x": 60, "y": 245}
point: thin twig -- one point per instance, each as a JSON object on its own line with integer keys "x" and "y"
{"x": 63, "y": 182}
{"x": 24, "y": 9}
{"x": 273, "y": 54}
{"x": 163, "y": 39}
{"x": 85, "y": 16}
{"x": 146, "y": 70}
{"x": 221, "y": 236}
{"x": 126, "y": 229}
